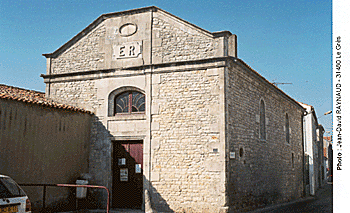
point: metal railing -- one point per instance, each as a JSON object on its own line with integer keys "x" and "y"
{"x": 65, "y": 185}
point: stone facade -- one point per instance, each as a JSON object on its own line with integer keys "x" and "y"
{"x": 269, "y": 170}
{"x": 175, "y": 44}
{"x": 201, "y": 108}
{"x": 74, "y": 58}
{"x": 188, "y": 118}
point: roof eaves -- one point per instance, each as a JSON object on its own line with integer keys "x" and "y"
{"x": 34, "y": 97}
{"x": 105, "y": 16}
{"x": 47, "y": 104}
{"x": 91, "y": 26}
{"x": 265, "y": 80}
{"x": 222, "y": 33}
{"x": 75, "y": 38}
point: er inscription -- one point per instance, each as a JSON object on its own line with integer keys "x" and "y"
{"x": 127, "y": 50}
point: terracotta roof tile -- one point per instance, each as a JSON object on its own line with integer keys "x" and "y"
{"x": 34, "y": 97}
{"x": 327, "y": 138}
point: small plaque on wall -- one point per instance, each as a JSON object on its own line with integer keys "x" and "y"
{"x": 127, "y": 50}
{"x": 121, "y": 161}
{"x": 124, "y": 174}
{"x": 137, "y": 168}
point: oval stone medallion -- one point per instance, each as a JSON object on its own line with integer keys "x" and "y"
{"x": 128, "y": 29}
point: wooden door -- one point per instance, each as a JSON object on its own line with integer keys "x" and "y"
{"x": 127, "y": 174}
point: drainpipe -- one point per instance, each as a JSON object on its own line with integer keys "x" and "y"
{"x": 303, "y": 157}
{"x": 49, "y": 66}
{"x": 150, "y": 118}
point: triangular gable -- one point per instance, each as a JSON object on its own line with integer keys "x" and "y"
{"x": 92, "y": 26}
{"x": 136, "y": 37}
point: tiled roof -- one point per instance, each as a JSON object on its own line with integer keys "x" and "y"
{"x": 327, "y": 138}
{"x": 305, "y": 105}
{"x": 34, "y": 97}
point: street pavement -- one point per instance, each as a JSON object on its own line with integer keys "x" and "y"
{"x": 104, "y": 211}
{"x": 322, "y": 202}
{"x": 118, "y": 211}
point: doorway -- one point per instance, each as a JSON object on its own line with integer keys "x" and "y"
{"x": 127, "y": 174}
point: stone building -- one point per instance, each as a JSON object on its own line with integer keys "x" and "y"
{"x": 42, "y": 142}
{"x": 178, "y": 115}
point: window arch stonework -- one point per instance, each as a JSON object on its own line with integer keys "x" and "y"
{"x": 262, "y": 128}
{"x": 287, "y": 128}
{"x": 126, "y": 100}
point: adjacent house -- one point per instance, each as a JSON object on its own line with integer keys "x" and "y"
{"x": 42, "y": 141}
{"x": 313, "y": 150}
{"x": 178, "y": 117}
{"x": 327, "y": 153}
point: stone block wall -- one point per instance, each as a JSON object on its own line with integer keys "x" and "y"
{"x": 84, "y": 55}
{"x": 186, "y": 172}
{"x": 84, "y": 94}
{"x": 76, "y": 93}
{"x": 172, "y": 42}
{"x": 196, "y": 113}
{"x": 264, "y": 171}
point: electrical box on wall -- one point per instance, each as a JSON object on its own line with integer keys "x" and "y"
{"x": 232, "y": 155}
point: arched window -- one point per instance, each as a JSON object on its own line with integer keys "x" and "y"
{"x": 262, "y": 121}
{"x": 129, "y": 102}
{"x": 287, "y": 129}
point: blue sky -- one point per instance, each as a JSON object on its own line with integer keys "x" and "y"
{"x": 285, "y": 41}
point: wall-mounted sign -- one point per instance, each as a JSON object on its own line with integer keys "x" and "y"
{"x": 232, "y": 155}
{"x": 121, "y": 161}
{"x": 127, "y": 50}
{"x": 137, "y": 168}
{"x": 124, "y": 174}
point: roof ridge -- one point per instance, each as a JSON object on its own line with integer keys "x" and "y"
{"x": 105, "y": 16}
{"x": 22, "y": 89}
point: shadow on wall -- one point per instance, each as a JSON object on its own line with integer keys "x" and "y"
{"x": 157, "y": 202}
{"x": 50, "y": 148}
{"x": 122, "y": 160}
{"x": 99, "y": 165}
{"x": 255, "y": 183}
{"x": 307, "y": 160}
{"x": 57, "y": 199}
{"x": 129, "y": 184}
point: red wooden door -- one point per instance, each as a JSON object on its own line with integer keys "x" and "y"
{"x": 127, "y": 174}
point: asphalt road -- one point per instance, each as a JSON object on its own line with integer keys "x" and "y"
{"x": 322, "y": 202}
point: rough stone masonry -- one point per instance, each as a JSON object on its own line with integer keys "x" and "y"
{"x": 216, "y": 136}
